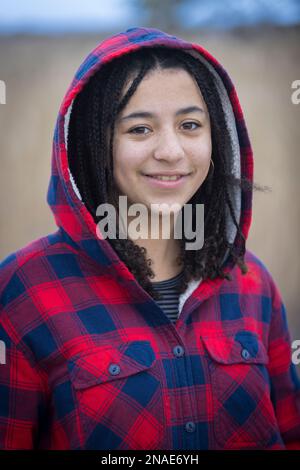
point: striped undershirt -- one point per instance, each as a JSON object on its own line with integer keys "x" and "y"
{"x": 168, "y": 290}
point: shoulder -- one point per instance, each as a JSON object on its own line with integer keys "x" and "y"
{"x": 257, "y": 286}
{"x": 258, "y": 275}
{"x": 30, "y": 286}
{"x": 252, "y": 259}
{"x": 27, "y": 266}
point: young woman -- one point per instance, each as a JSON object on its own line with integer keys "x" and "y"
{"x": 143, "y": 343}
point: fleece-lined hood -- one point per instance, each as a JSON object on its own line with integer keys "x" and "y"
{"x": 63, "y": 196}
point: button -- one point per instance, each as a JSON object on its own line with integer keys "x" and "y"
{"x": 114, "y": 369}
{"x": 190, "y": 426}
{"x": 245, "y": 354}
{"x": 178, "y": 351}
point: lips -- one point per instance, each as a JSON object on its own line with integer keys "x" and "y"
{"x": 167, "y": 176}
{"x": 166, "y": 181}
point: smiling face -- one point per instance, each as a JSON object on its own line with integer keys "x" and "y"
{"x": 164, "y": 129}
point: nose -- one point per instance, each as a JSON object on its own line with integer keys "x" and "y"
{"x": 168, "y": 147}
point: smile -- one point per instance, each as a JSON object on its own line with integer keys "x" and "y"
{"x": 166, "y": 181}
{"x": 166, "y": 178}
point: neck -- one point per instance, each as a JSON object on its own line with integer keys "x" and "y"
{"x": 163, "y": 250}
{"x": 163, "y": 254}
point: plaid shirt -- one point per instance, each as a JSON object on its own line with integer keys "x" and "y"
{"x": 92, "y": 362}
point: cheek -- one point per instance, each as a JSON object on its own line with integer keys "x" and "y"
{"x": 128, "y": 158}
{"x": 202, "y": 155}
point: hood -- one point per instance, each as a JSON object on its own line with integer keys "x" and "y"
{"x": 72, "y": 216}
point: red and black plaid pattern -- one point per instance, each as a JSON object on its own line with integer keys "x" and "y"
{"x": 92, "y": 362}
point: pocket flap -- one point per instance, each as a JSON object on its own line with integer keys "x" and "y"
{"x": 241, "y": 347}
{"x": 105, "y": 363}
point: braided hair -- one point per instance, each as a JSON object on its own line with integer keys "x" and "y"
{"x": 90, "y": 150}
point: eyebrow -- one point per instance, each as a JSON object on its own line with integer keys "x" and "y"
{"x": 146, "y": 114}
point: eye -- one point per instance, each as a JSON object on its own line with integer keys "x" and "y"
{"x": 191, "y": 123}
{"x": 136, "y": 129}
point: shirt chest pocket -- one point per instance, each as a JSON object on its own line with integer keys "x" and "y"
{"x": 118, "y": 396}
{"x": 243, "y": 413}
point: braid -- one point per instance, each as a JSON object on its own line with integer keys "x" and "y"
{"x": 90, "y": 155}
{"x": 108, "y": 115}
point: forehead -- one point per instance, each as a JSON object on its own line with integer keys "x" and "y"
{"x": 166, "y": 87}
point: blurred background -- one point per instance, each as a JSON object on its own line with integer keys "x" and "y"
{"x": 258, "y": 42}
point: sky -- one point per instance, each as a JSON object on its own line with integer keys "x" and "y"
{"x": 44, "y": 15}
{"x": 55, "y": 16}
{"x": 231, "y": 13}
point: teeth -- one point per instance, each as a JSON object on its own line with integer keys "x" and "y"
{"x": 167, "y": 178}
